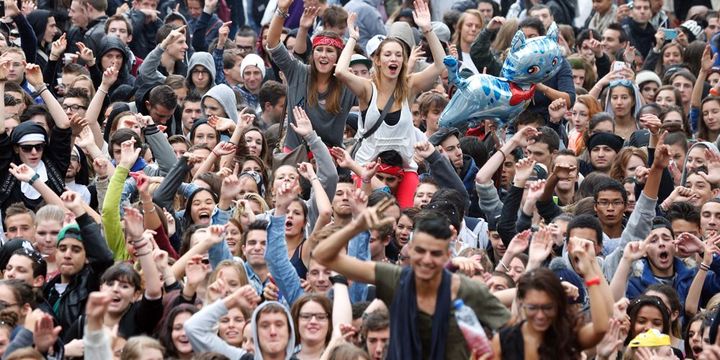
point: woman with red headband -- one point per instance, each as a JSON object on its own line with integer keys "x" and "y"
{"x": 312, "y": 87}
{"x": 392, "y": 78}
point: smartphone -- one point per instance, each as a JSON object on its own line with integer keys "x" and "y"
{"x": 630, "y": 5}
{"x": 670, "y": 34}
{"x": 619, "y": 65}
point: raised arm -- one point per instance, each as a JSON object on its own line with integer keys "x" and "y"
{"x": 425, "y": 79}
{"x": 692, "y": 300}
{"x": 306, "y": 23}
{"x": 600, "y": 303}
{"x": 142, "y": 243}
{"x": 26, "y": 174}
{"x": 633, "y": 251}
{"x": 706, "y": 64}
{"x": 331, "y": 253}
{"x": 33, "y": 74}
{"x": 321, "y": 199}
{"x": 93, "y": 111}
{"x": 361, "y": 87}
{"x": 277, "y": 22}
{"x": 111, "y": 206}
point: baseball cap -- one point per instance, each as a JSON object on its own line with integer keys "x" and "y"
{"x": 650, "y": 338}
{"x": 359, "y": 59}
{"x": 373, "y": 44}
{"x": 442, "y": 134}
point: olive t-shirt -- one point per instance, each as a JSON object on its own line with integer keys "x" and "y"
{"x": 488, "y": 309}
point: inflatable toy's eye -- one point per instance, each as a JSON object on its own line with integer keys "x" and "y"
{"x": 533, "y": 69}
{"x": 555, "y": 61}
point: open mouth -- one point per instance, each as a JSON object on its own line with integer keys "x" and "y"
{"x": 116, "y": 300}
{"x": 204, "y": 216}
{"x": 288, "y": 224}
{"x": 393, "y": 67}
{"x": 697, "y": 349}
{"x": 664, "y": 256}
{"x": 232, "y": 333}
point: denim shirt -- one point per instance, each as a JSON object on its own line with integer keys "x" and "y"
{"x": 283, "y": 272}
{"x": 254, "y": 280}
{"x": 359, "y": 247}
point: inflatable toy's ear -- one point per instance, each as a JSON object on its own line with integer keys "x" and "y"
{"x": 553, "y": 32}
{"x": 518, "y": 41}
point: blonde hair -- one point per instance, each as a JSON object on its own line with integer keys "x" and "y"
{"x": 136, "y": 345}
{"x": 50, "y": 213}
{"x": 79, "y": 78}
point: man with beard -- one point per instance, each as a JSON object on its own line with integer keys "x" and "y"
{"x": 72, "y": 172}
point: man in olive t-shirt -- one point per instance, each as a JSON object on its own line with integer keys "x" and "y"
{"x": 429, "y": 252}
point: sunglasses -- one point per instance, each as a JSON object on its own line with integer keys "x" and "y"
{"x": 29, "y": 148}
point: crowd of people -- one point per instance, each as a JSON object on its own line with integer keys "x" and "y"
{"x": 268, "y": 179}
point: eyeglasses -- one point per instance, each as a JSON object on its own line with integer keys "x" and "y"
{"x": 605, "y": 203}
{"x": 74, "y": 107}
{"x": 547, "y": 309}
{"x": 318, "y": 316}
{"x": 245, "y": 48}
{"x": 201, "y": 71}
{"x": 5, "y": 305}
{"x": 29, "y": 148}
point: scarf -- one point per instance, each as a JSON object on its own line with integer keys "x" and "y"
{"x": 404, "y": 314}
{"x": 601, "y": 22}
{"x": 27, "y": 189}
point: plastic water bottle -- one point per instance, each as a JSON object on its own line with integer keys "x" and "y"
{"x": 473, "y": 332}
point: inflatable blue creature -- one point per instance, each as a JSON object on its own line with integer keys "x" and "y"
{"x": 481, "y": 96}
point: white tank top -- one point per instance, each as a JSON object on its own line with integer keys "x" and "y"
{"x": 400, "y": 137}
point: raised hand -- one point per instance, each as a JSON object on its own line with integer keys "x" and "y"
{"x": 223, "y": 33}
{"x": 231, "y": 187}
{"x": 342, "y": 157}
{"x": 210, "y": 6}
{"x": 557, "y": 110}
{"x": 221, "y": 124}
{"x": 285, "y": 194}
{"x": 523, "y": 170}
{"x": 713, "y": 166}
{"x": 271, "y": 292}
{"x": 103, "y": 168}
{"x": 174, "y": 36}
{"x": 369, "y": 171}
{"x": 651, "y": 122}
{"x": 495, "y": 23}
{"x": 73, "y": 202}
{"x": 306, "y": 170}
{"x": 77, "y": 123}
{"x": 110, "y": 76}
{"x": 128, "y": 153}
{"x": 525, "y": 137}
{"x": 629, "y": 54}
{"x": 564, "y": 171}
{"x": 224, "y": 148}
{"x": 584, "y": 260}
{"x": 635, "y": 250}
{"x": 611, "y": 342}
{"x": 358, "y": 202}
{"x": 424, "y": 149}
{"x": 22, "y": 172}
{"x": 96, "y": 308}
{"x": 466, "y": 266}
{"x": 33, "y": 74}
{"x": 5, "y": 65}
{"x": 134, "y": 225}
{"x": 85, "y": 54}
{"x": 304, "y": 125}
{"x": 687, "y": 244}
{"x": 218, "y": 289}
{"x": 58, "y": 47}
{"x": 540, "y": 247}
{"x": 196, "y": 271}
{"x": 374, "y": 217}
{"x": 421, "y": 15}
{"x": 244, "y": 297}
{"x": 85, "y": 139}
{"x": 416, "y": 54}
{"x": 307, "y": 20}
{"x": 708, "y": 59}
{"x": 170, "y": 222}
{"x": 519, "y": 243}
{"x": 595, "y": 45}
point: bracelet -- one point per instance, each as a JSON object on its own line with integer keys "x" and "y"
{"x": 282, "y": 13}
{"x": 704, "y": 267}
{"x": 102, "y": 91}
{"x": 503, "y": 153}
{"x": 427, "y": 31}
{"x": 34, "y": 177}
{"x": 141, "y": 255}
{"x": 366, "y": 181}
{"x": 354, "y": 38}
{"x": 504, "y": 266}
{"x": 338, "y": 279}
{"x": 314, "y": 178}
{"x": 592, "y": 282}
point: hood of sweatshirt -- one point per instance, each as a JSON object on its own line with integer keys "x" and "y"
{"x": 205, "y": 60}
{"x": 290, "y": 349}
{"x": 226, "y": 97}
{"x": 38, "y": 20}
{"x": 110, "y": 43}
{"x": 705, "y": 144}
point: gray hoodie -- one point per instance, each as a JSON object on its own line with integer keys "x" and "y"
{"x": 291, "y": 340}
{"x": 707, "y": 145}
{"x": 226, "y": 97}
{"x": 205, "y": 60}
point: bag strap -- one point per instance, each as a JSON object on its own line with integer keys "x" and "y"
{"x": 381, "y": 119}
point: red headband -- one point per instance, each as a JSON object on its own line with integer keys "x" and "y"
{"x": 391, "y": 170}
{"x": 329, "y": 41}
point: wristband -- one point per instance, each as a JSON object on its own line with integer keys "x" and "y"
{"x": 504, "y": 266}
{"x": 282, "y": 13}
{"x": 592, "y": 282}
{"x": 338, "y": 279}
{"x": 34, "y": 177}
{"x": 704, "y": 267}
{"x": 314, "y": 178}
{"x": 503, "y": 153}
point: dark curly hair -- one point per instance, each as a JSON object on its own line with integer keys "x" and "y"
{"x": 559, "y": 340}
